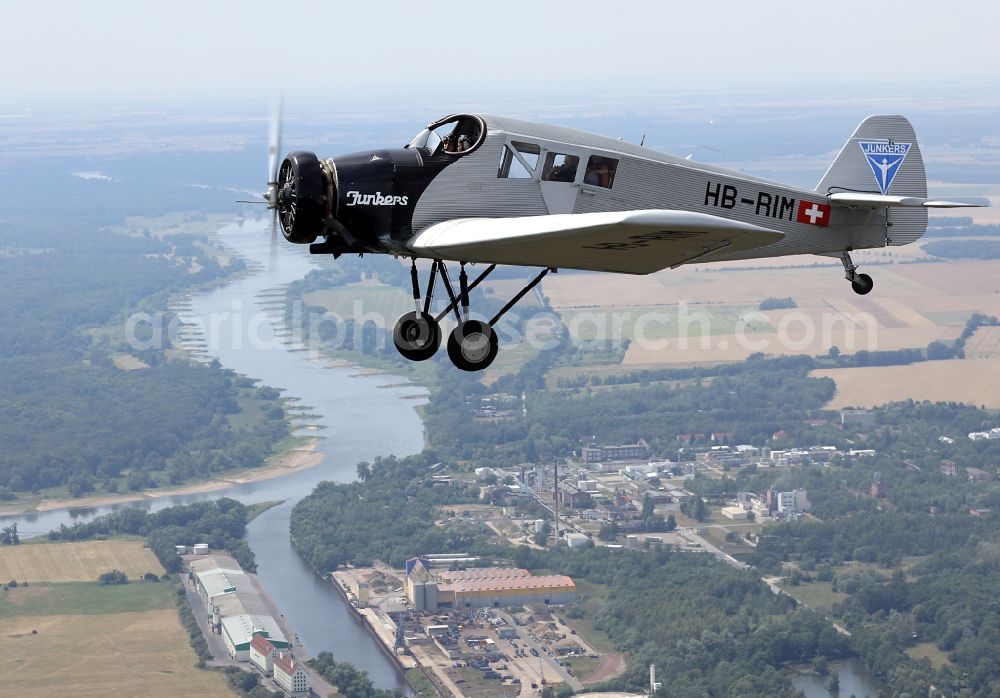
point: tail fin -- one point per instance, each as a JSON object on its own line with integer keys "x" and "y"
{"x": 882, "y": 158}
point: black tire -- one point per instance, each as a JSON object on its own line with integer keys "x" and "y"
{"x": 862, "y": 284}
{"x": 473, "y": 345}
{"x": 417, "y": 337}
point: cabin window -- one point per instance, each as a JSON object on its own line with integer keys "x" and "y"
{"x": 560, "y": 167}
{"x": 518, "y": 160}
{"x": 600, "y": 171}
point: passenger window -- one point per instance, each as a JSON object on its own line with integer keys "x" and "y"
{"x": 560, "y": 167}
{"x": 529, "y": 152}
{"x": 600, "y": 171}
{"x": 519, "y": 161}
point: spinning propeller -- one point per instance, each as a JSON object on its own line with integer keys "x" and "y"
{"x": 273, "y": 151}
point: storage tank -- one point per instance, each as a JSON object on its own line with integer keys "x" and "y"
{"x": 201, "y": 549}
{"x": 181, "y": 549}
{"x": 539, "y": 525}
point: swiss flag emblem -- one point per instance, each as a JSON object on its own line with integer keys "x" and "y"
{"x": 813, "y": 213}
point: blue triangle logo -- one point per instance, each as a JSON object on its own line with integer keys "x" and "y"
{"x": 884, "y": 158}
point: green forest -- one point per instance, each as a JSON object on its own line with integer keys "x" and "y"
{"x": 71, "y": 421}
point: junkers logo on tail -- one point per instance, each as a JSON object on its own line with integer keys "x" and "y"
{"x": 356, "y": 198}
{"x": 885, "y": 158}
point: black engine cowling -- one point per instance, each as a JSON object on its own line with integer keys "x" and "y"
{"x": 303, "y": 191}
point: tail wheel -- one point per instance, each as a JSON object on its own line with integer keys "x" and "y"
{"x": 417, "y": 337}
{"x": 473, "y": 345}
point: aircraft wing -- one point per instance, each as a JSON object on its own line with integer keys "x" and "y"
{"x": 630, "y": 242}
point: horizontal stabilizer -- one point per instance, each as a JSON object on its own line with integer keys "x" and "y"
{"x": 630, "y": 242}
{"x": 848, "y": 198}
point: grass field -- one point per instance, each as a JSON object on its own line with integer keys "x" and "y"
{"x": 937, "y": 657}
{"x": 114, "y": 654}
{"x": 86, "y": 598}
{"x": 972, "y": 381}
{"x": 361, "y": 301}
{"x": 592, "y": 598}
{"x": 80, "y": 561}
{"x": 818, "y": 596}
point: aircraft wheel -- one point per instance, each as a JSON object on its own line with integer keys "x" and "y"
{"x": 862, "y": 284}
{"x": 473, "y": 345}
{"x": 417, "y": 337}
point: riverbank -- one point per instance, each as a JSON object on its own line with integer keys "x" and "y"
{"x": 302, "y": 456}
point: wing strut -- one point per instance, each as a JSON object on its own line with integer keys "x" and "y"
{"x": 513, "y": 301}
{"x": 478, "y": 280}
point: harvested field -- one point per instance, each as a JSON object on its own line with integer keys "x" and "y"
{"x": 984, "y": 344}
{"x": 972, "y": 381}
{"x": 114, "y": 654}
{"x": 81, "y": 561}
{"x": 716, "y": 308}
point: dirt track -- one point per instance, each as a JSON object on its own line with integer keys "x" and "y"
{"x": 610, "y": 667}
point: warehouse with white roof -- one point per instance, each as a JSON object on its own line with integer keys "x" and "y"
{"x": 237, "y": 608}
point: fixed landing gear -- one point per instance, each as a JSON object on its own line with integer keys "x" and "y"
{"x": 473, "y": 345}
{"x": 861, "y": 283}
{"x": 417, "y": 336}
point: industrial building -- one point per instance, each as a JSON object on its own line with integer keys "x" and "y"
{"x": 430, "y": 589}
{"x": 237, "y": 610}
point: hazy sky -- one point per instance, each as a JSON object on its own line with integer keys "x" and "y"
{"x": 83, "y": 50}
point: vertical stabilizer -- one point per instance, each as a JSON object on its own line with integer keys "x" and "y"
{"x": 882, "y": 157}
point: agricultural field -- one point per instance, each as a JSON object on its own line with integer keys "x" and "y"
{"x": 81, "y": 561}
{"x": 972, "y": 381}
{"x": 984, "y": 344}
{"x": 710, "y": 314}
{"x": 114, "y": 654}
{"x": 64, "y": 633}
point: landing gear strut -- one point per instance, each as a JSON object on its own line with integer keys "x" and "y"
{"x": 861, "y": 283}
{"x": 473, "y": 344}
{"x": 417, "y": 335}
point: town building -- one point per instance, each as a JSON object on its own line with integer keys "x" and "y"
{"x": 625, "y": 452}
{"x": 430, "y": 589}
{"x": 262, "y": 654}
{"x": 786, "y": 503}
{"x": 290, "y": 676}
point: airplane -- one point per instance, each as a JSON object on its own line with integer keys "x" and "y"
{"x": 484, "y": 189}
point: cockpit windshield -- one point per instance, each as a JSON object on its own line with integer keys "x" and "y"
{"x": 455, "y": 135}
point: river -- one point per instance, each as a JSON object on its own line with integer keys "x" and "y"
{"x": 362, "y": 416}
{"x": 855, "y": 680}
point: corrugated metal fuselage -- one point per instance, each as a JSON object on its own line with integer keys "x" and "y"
{"x": 470, "y": 187}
